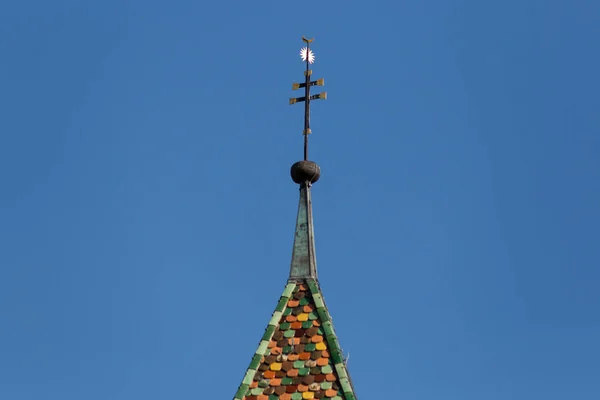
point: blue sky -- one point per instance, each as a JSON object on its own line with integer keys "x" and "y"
{"x": 147, "y": 214}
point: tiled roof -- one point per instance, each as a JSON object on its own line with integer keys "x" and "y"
{"x": 299, "y": 356}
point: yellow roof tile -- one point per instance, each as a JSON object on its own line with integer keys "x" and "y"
{"x": 275, "y": 367}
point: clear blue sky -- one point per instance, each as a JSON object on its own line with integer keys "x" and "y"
{"x": 147, "y": 214}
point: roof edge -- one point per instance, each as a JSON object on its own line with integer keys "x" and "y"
{"x": 332, "y": 341}
{"x": 264, "y": 342}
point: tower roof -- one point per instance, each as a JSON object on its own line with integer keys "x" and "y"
{"x": 299, "y": 356}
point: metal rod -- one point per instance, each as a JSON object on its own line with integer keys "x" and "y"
{"x": 307, "y": 102}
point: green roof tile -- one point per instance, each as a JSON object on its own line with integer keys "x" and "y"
{"x": 289, "y": 334}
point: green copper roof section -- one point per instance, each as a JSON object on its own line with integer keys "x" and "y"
{"x": 304, "y": 262}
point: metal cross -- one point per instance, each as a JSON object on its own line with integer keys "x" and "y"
{"x": 308, "y": 56}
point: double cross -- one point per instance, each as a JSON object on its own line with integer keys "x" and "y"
{"x": 308, "y": 56}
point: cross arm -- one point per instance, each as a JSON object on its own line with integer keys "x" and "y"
{"x": 322, "y": 95}
{"x": 318, "y": 82}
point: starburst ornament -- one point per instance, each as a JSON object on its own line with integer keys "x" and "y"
{"x": 305, "y": 53}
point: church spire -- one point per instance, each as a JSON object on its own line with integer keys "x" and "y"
{"x": 299, "y": 356}
{"x": 305, "y": 173}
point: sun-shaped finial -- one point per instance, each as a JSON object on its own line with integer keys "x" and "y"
{"x": 305, "y": 53}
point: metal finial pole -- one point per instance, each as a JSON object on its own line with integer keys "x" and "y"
{"x": 307, "y": 55}
{"x": 307, "y": 101}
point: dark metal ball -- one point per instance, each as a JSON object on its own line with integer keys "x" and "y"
{"x": 305, "y": 171}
